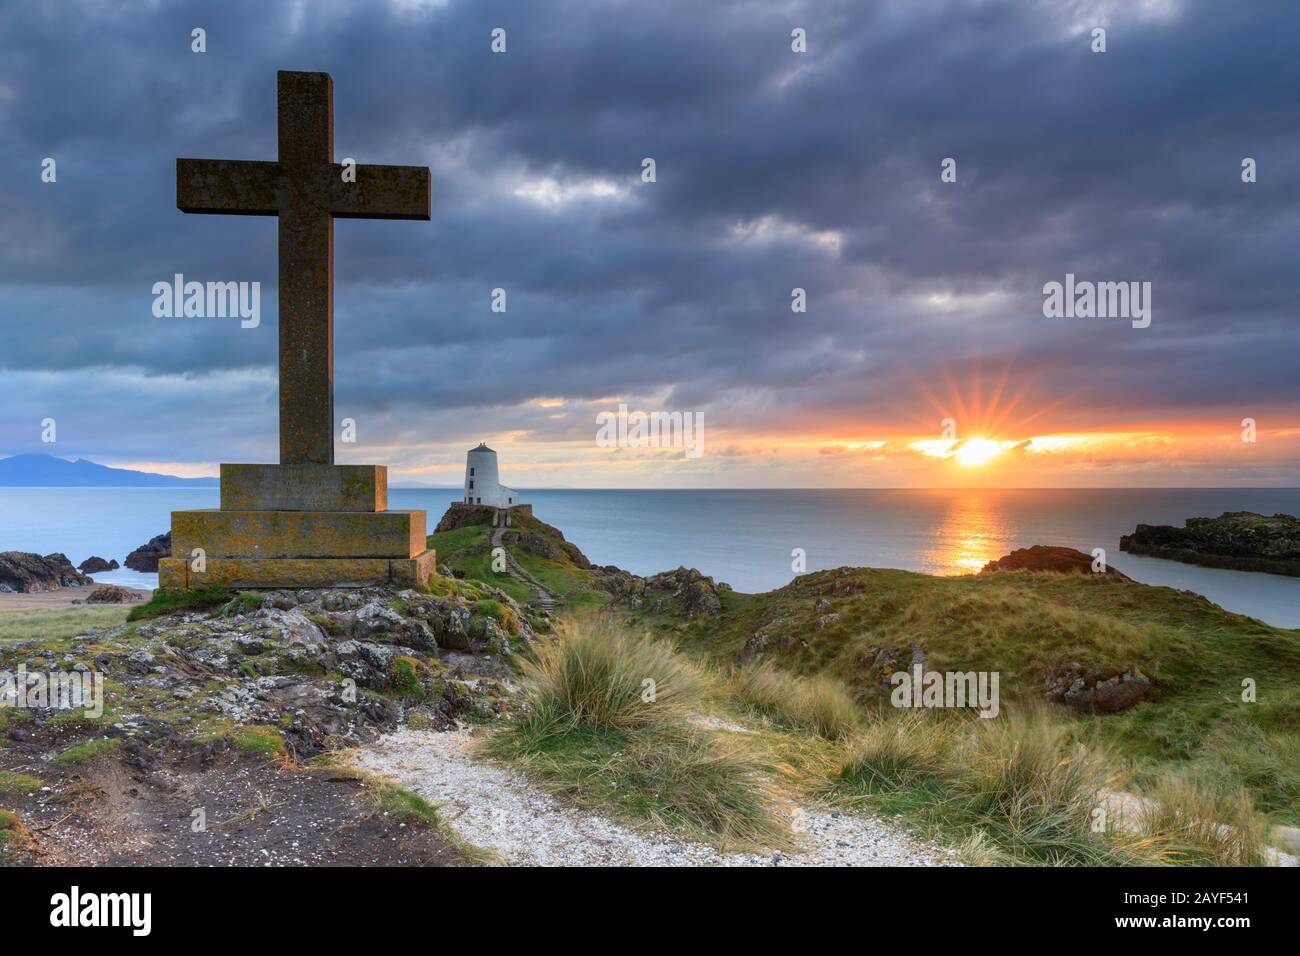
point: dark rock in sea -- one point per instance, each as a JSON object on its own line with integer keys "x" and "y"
{"x": 1238, "y": 540}
{"x": 145, "y": 558}
{"x": 110, "y": 594}
{"x": 26, "y": 573}
{"x": 1043, "y": 557}
{"x": 95, "y": 565}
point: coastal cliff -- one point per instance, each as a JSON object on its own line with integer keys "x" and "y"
{"x": 1237, "y": 540}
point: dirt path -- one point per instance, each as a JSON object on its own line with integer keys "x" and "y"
{"x": 545, "y": 599}
{"x": 498, "y": 809}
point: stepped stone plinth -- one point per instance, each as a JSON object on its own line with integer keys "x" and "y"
{"x": 277, "y": 528}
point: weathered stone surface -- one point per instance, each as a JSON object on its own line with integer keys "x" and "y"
{"x": 146, "y": 557}
{"x": 1239, "y": 540}
{"x": 298, "y": 572}
{"x": 304, "y": 487}
{"x": 298, "y": 534}
{"x": 1047, "y": 558}
{"x": 95, "y": 564}
{"x": 26, "y": 573}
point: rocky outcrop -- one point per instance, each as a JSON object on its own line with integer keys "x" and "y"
{"x": 1046, "y": 558}
{"x": 1104, "y": 691}
{"x": 145, "y": 558}
{"x": 95, "y": 565}
{"x": 693, "y": 592}
{"x": 774, "y": 636}
{"x": 26, "y": 573}
{"x": 462, "y": 516}
{"x": 1238, "y": 540}
{"x": 329, "y": 667}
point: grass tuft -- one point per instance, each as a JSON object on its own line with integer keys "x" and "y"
{"x": 599, "y": 677}
{"x": 913, "y": 751}
{"x": 820, "y": 704}
{"x": 595, "y": 729}
{"x": 11, "y": 783}
{"x": 174, "y": 602}
{"x": 88, "y": 750}
{"x": 1201, "y": 824}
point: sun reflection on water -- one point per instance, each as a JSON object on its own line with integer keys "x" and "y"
{"x": 973, "y": 532}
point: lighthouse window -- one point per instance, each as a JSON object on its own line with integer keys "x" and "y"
{"x": 471, "y": 483}
{"x": 471, "y": 472}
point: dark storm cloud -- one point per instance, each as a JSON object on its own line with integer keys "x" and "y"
{"x": 774, "y": 170}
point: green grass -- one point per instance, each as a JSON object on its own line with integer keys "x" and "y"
{"x": 404, "y": 678}
{"x": 57, "y": 624}
{"x": 172, "y": 602}
{"x": 499, "y": 613}
{"x": 609, "y": 722}
{"x": 257, "y": 739}
{"x": 1024, "y": 626}
{"x": 399, "y": 802}
{"x": 11, "y": 783}
{"x": 88, "y": 750}
{"x": 469, "y": 550}
{"x": 449, "y": 544}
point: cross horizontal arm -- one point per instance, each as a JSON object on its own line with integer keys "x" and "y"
{"x": 381, "y": 192}
{"x": 229, "y": 186}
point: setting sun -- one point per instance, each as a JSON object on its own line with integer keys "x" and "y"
{"x": 977, "y": 451}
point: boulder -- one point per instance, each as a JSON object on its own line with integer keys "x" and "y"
{"x": 694, "y": 592}
{"x": 110, "y": 594}
{"x": 23, "y": 572}
{"x": 96, "y": 565}
{"x": 145, "y": 558}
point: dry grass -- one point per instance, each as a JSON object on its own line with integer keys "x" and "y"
{"x": 821, "y": 704}
{"x": 1195, "y": 822}
{"x": 610, "y": 723}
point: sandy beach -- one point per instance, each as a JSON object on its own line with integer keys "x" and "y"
{"x": 61, "y": 598}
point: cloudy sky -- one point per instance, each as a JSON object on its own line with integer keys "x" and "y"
{"x": 775, "y": 170}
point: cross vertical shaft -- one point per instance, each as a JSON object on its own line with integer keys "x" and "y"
{"x": 306, "y": 134}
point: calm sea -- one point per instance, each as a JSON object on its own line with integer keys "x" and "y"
{"x": 746, "y": 537}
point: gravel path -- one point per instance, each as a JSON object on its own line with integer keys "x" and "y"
{"x": 496, "y": 808}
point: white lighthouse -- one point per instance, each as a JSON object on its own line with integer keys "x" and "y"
{"x": 482, "y": 485}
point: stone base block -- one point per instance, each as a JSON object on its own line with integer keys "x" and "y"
{"x": 233, "y": 573}
{"x": 298, "y": 534}
{"x": 304, "y": 487}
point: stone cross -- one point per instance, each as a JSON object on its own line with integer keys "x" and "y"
{"x": 307, "y": 190}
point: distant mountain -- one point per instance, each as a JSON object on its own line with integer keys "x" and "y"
{"x": 46, "y": 471}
